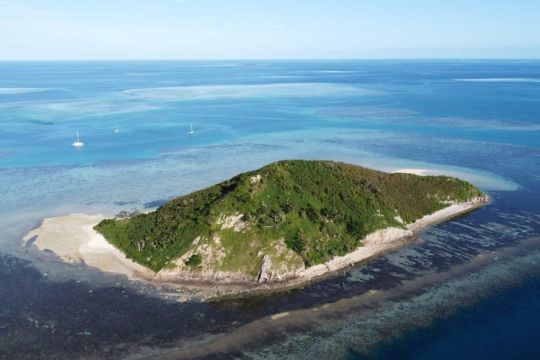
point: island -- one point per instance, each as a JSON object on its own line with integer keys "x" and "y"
{"x": 285, "y": 223}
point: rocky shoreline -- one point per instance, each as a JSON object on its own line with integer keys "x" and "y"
{"x": 73, "y": 240}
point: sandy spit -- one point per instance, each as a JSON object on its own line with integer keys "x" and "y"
{"x": 73, "y": 239}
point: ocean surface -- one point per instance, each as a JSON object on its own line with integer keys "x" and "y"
{"x": 468, "y": 288}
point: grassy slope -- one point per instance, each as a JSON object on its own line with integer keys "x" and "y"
{"x": 319, "y": 208}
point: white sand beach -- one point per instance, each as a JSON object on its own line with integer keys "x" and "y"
{"x": 73, "y": 239}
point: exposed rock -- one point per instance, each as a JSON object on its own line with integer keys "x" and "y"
{"x": 385, "y": 236}
{"x": 281, "y": 264}
{"x": 255, "y": 179}
{"x": 265, "y": 275}
{"x": 232, "y": 222}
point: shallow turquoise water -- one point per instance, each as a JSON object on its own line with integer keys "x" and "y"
{"x": 479, "y": 120}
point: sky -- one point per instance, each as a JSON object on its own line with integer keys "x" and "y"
{"x": 268, "y": 29}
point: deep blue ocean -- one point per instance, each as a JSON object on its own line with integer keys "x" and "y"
{"x": 468, "y": 288}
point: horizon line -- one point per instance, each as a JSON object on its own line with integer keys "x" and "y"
{"x": 277, "y": 59}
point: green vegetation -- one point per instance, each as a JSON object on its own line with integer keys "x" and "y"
{"x": 194, "y": 260}
{"x": 318, "y": 209}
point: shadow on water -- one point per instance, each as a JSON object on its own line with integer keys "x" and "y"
{"x": 40, "y": 318}
{"x": 45, "y": 319}
{"x": 61, "y": 319}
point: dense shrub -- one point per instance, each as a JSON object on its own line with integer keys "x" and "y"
{"x": 194, "y": 260}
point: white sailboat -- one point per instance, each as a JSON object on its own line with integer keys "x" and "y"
{"x": 116, "y": 129}
{"x": 191, "y": 131}
{"x": 78, "y": 143}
